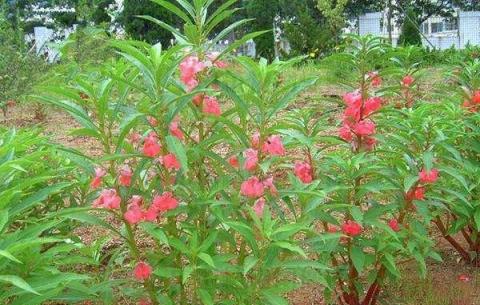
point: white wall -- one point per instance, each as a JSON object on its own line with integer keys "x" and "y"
{"x": 469, "y": 28}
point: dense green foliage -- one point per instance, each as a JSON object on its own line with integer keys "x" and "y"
{"x": 410, "y": 33}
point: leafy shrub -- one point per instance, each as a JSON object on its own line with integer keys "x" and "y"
{"x": 38, "y": 254}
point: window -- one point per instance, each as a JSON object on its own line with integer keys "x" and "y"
{"x": 424, "y": 28}
{"x": 450, "y": 25}
{"x": 437, "y": 27}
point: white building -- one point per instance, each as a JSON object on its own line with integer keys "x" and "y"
{"x": 437, "y": 32}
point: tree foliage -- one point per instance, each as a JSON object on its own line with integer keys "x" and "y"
{"x": 410, "y": 34}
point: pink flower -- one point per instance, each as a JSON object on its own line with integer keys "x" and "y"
{"x": 97, "y": 180}
{"x": 351, "y": 228}
{"x": 151, "y": 147}
{"x": 364, "y": 128}
{"x": 303, "y": 171}
{"x": 252, "y": 188}
{"x": 351, "y": 115}
{"x": 273, "y": 146}
{"x": 259, "y": 206}
{"x": 251, "y": 159}
{"x": 233, "y": 161}
{"x": 125, "y": 177}
{"x": 170, "y": 162}
{"x": 134, "y": 214}
{"x": 353, "y": 99}
{"x": 142, "y": 271}
{"x": 345, "y": 133}
{"x": 152, "y": 121}
{"x": 165, "y": 202}
{"x": 108, "y": 199}
{"x": 268, "y": 183}
{"x": 407, "y": 80}
{"x": 151, "y": 214}
{"x": 428, "y": 176}
{"x": 372, "y": 104}
{"x": 175, "y": 130}
{"x": 217, "y": 63}
{"x": 189, "y": 68}
{"x": 393, "y": 224}
{"x": 211, "y": 106}
{"x": 375, "y": 79}
{"x": 255, "y": 141}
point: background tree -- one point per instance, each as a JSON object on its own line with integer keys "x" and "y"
{"x": 410, "y": 34}
{"x": 263, "y": 13}
{"x": 306, "y": 28}
{"x": 334, "y": 12}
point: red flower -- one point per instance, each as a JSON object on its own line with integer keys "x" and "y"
{"x": 428, "y": 176}
{"x": 353, "y": 99}
{"x": 476, "y": 97}
{"x": 151, "y": 147}
{"x": 372, "y": 104}
{"x": 273, "y": 146}
{"x": 144, "y": 302}
{"x": 108, "y": 199}
{"x": 351, "y": 115}
{"x": 252, "y": 188}
{"x": 464, "y": 278}
{"x": 251, "y": 159}
{"x": 407, "y": 80}
{"x": 369, "y": 143}
{"x": 125, "y": 177}
{"x": 233, "y": 161}
{"x": 351, "y": 228}
{"x": 198, "y": 99}
{"x": 97, "y": 180}
{"x": 211, "y": 106}
{"x": 393, "y": 224}
{"x": 303, "y": 171}
{"x": 142, "y": 271}
{"x": 134, "y": 214}
{"x": 375, "y": 79}
{"x": 345, "y": 133}
{"x": 364, "y": 128}
{"x": 165, "y": 202}
{"x": 175, "y": 130}
{"x": 170, "y": 162}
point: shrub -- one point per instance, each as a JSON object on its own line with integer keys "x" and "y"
{"x": 38, "y": 252}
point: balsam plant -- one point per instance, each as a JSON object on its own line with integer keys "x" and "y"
{"x": 188, "y": 175}
{"x": 457, "y": 216}
{"x": 38, "y": 252}
{"x": 363, "y": 193}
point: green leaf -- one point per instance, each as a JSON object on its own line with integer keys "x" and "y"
{"x": 187, "y": 272}
{"x": 249, "y": 263}
{"x": 8, "y": 255}
{"x": 19, "y": 282}
{"x": 290, "y": 247}
{"x": 358, "y": 258}
{"x": 207, "y": 259}
{"x": 274, "y": 299}
{"x": 205, "y": 297}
